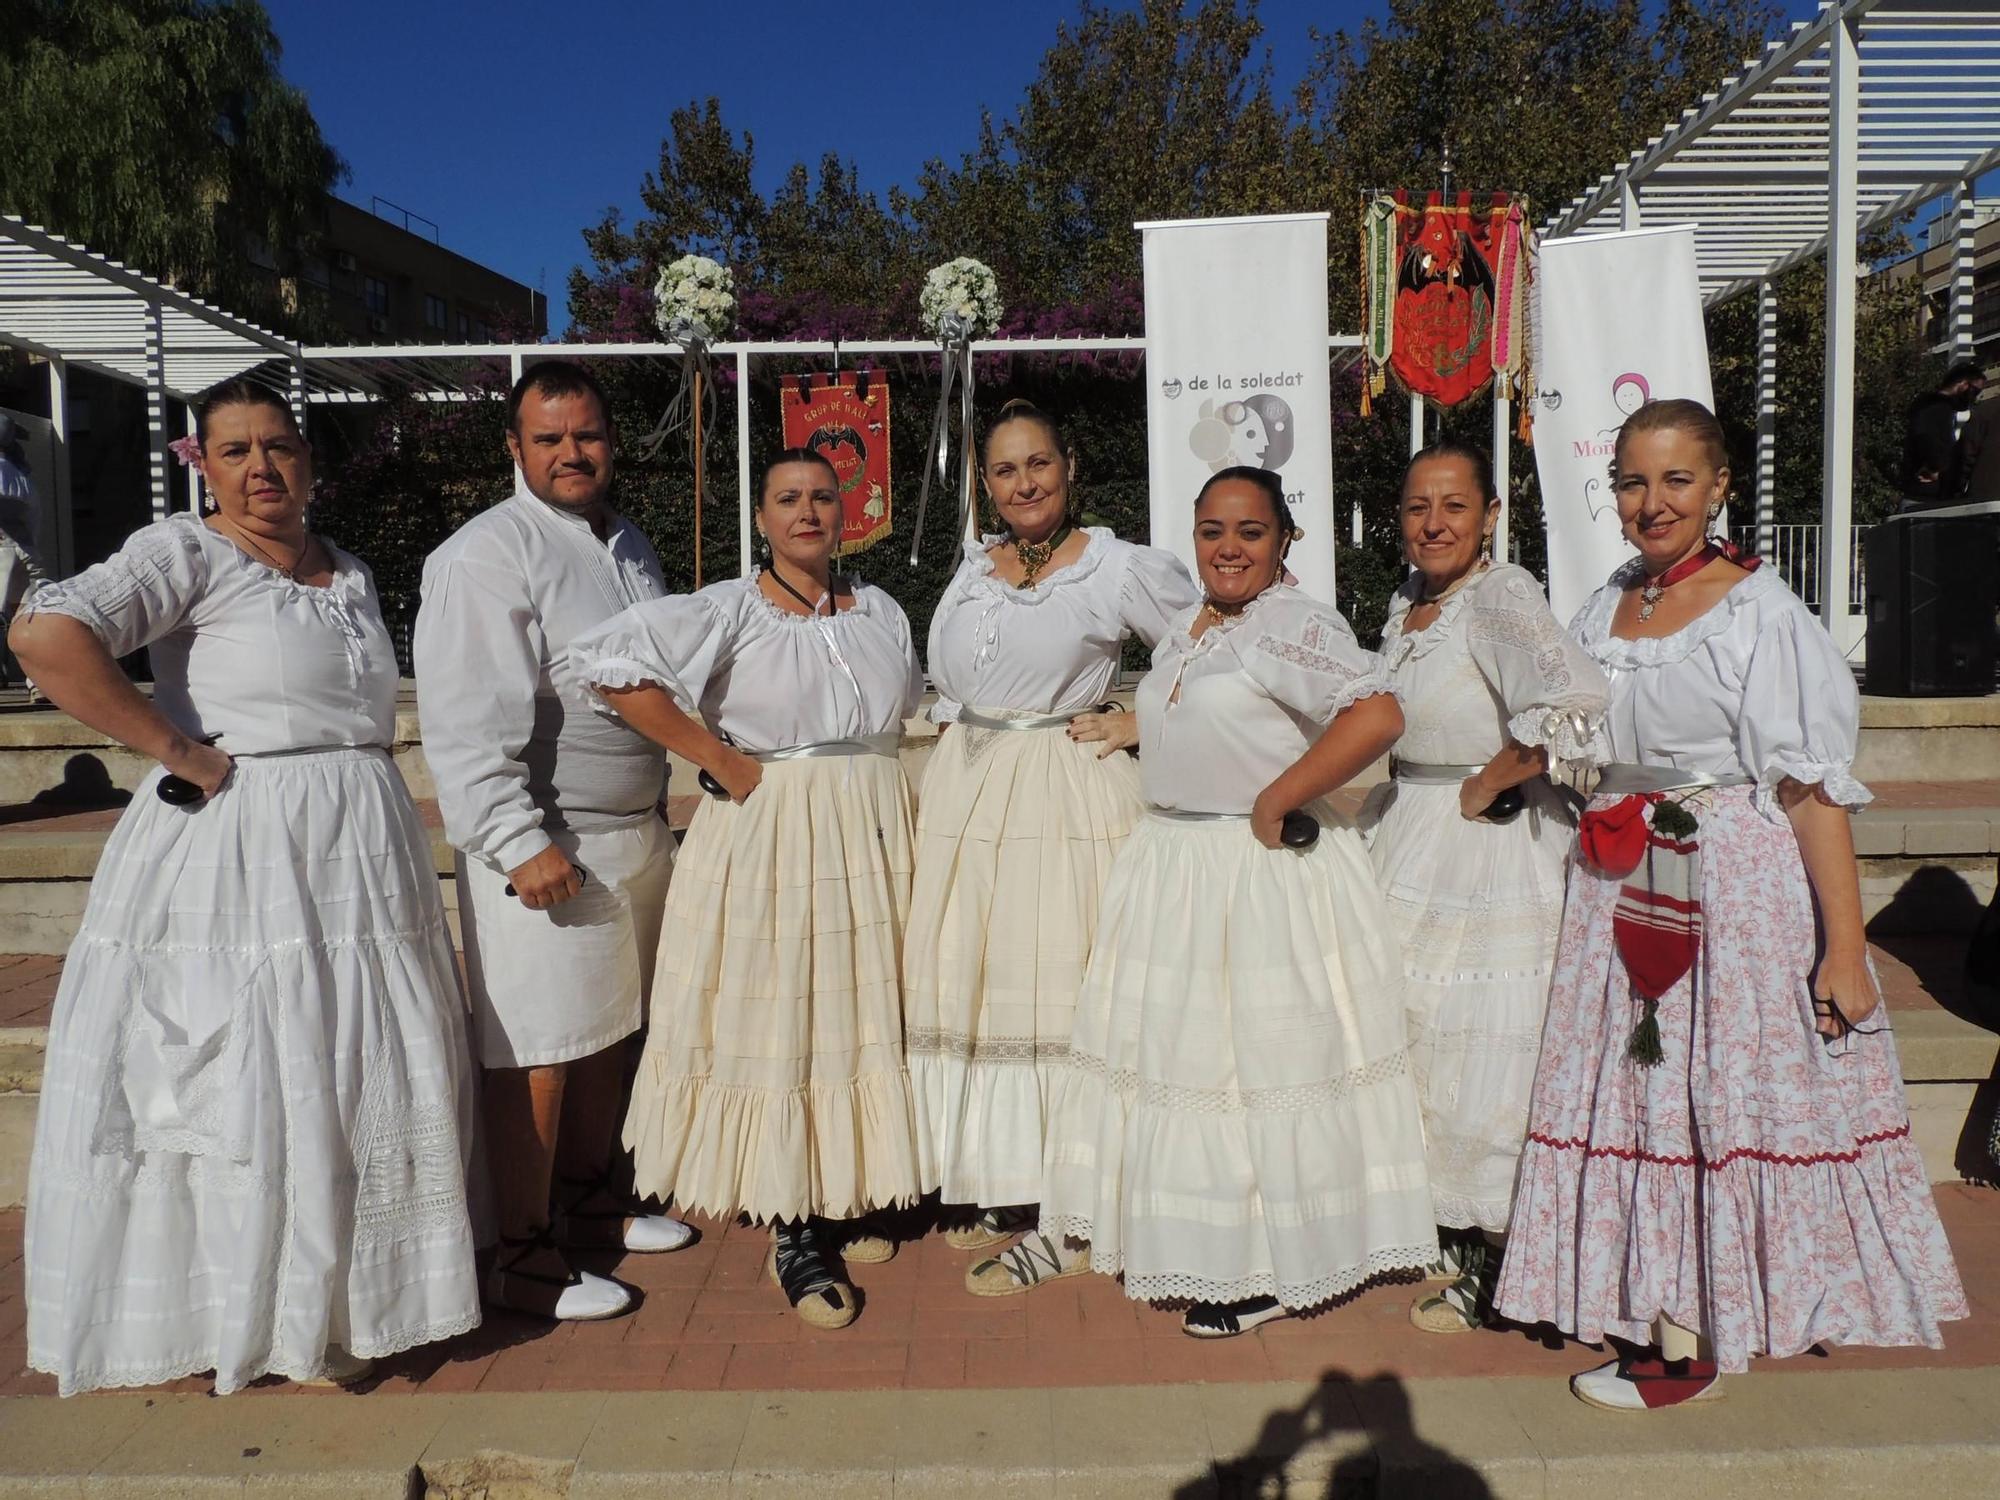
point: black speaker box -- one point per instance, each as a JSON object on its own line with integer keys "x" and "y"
{"x": 1933, "y": 586}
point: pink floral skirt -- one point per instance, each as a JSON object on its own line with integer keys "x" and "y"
{"x": 1757, "y": 1185}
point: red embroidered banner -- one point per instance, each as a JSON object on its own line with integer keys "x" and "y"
{"x": 1444, "y": 292}
{"x": 846, "y": 417}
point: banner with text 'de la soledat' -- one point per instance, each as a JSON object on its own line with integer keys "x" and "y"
{"x": 1236, "y": 372}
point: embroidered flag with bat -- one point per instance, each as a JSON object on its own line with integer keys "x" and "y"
{"x": 846, "y": 417}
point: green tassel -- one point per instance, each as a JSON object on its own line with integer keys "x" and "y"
{"x": 1673, "y": 820}
{"x": 1644, "y": 1048}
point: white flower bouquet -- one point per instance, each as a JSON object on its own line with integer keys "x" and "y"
{"x": 960, "y": 301}
{"x": 695, "y": 300}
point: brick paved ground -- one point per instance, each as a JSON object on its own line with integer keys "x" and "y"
{"x": 710, "y": 1321}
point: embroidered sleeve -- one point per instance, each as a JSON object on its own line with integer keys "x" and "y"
{"x": 1306, "y": 657}
{"x": 1553, "y": 694}
{"x": 1800, "y": 718}
{"x": 141, "y": 592}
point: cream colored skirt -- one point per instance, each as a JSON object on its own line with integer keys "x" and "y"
{"x": 1015, "y": 837}
{"x": 1236, "y": 1117}
{"x": 772, "y": 1082}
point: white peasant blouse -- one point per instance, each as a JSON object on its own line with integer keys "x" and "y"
{"x": 1493, "y": 666}
{"x": 1753, "y": 687}
{"x": 761, "y": 677}
{"x": 1052, "y": 648}
{"x": 1220, "y": 717}
{"x": 241, "y": 652}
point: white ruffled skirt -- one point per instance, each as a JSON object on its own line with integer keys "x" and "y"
{"x": 1477, "y": 906}
{"x": 257, "y": 1106}
{"x": 1016, "y": 832}
{"x": 1236, "y": 1117}
{"x": 772, "y": 1081}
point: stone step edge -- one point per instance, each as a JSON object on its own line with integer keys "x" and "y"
{"x": 1515, "y": 1435}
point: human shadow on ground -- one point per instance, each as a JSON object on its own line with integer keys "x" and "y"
{"x": 1376, "y": 1450}
{"x": 86, "y": 786}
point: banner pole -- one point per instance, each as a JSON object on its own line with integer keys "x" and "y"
{"x": 696, "y": 417}
{"x": 1503, "y": 455}
{"x": 1416, "y": 424}
{"x": 744, "y": 530}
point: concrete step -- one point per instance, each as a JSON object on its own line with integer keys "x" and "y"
{"x": 1343, "y": 1435}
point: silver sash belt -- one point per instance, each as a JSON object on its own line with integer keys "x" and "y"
{"x": 1624, "y": 780}
{"x": 974, "y": 719}
{"x": 300, "y": 750}
{"x": 1175, "y": 815}
{"x": 1431, "y": 775}
{"x": 887, "y": 743}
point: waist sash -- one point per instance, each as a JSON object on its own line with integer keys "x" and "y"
{"x": 979, "y": 719}
{"x": 1431, "y": 775}
{"x": 1619, "y": 780}
{"x": 887, "y": 743}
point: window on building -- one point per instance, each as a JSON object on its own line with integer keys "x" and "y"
{"x": 465, "y": 327}
{"x": 482, "y": 331}
{"x": 375, "y": 292}
{"x": 434, "y": 312}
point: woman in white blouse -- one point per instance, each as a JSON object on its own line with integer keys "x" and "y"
{"x": 1025, "y": 801}
{"x": 772, "y": 1082}
{"x": 1235, "y": 1124}
{"x": 1719, "y": 1161}
{"x": 250, "y": 1154}
{"x": 1492, "y": 690}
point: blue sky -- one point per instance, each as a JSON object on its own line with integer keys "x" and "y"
{"x": 513, "y": 125}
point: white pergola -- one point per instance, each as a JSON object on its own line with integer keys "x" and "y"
{"x": 78, "y": 310}
{"x": 1854, "y": 120}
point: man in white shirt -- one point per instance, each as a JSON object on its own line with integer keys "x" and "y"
{"x": 563, "y": 855}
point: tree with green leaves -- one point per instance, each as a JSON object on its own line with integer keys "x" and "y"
{"x": 1167, "y": 110}
{"x": 159, "y": 132}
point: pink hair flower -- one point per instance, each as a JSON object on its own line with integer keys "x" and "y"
{"x": 187, "y": 450}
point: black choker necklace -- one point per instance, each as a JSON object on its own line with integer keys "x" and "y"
{"x": 832, "y": 604}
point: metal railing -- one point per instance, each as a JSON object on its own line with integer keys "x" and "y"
{"x": 1794, "y": 552}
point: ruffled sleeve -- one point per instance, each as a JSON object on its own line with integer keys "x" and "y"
{"x": 1801, "y": 713}
{"x": 676, "y": 644}
{"x": 1155, "y": 590}
{"x": 1306, "y": 657}
{"x": 141, "y": 592}
{"x": 1554, "y": 695}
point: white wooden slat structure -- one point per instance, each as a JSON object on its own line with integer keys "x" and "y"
{"x": 80, "y": 310}
{"x": 1866, "y": 113}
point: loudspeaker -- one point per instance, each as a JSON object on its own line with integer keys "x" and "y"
{"x": 1933, "y": 587}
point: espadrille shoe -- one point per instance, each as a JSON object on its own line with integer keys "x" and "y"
{"x": 599, "y": 1216}
{"x": 1647, "y": 1383}
{"x": 798, "y": 1267}
{"x": 988, "y": 1227}
{"x": 1024, "y": 1267}
{"x": 1225, "y": 1320}
{"x": 341, "y": 1369}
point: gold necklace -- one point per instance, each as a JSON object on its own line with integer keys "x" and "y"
{"x": 1035, "y": 555}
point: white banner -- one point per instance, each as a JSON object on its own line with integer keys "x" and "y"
{"x": 1236, "y": 371}
{"x": 1620, "y": 325}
